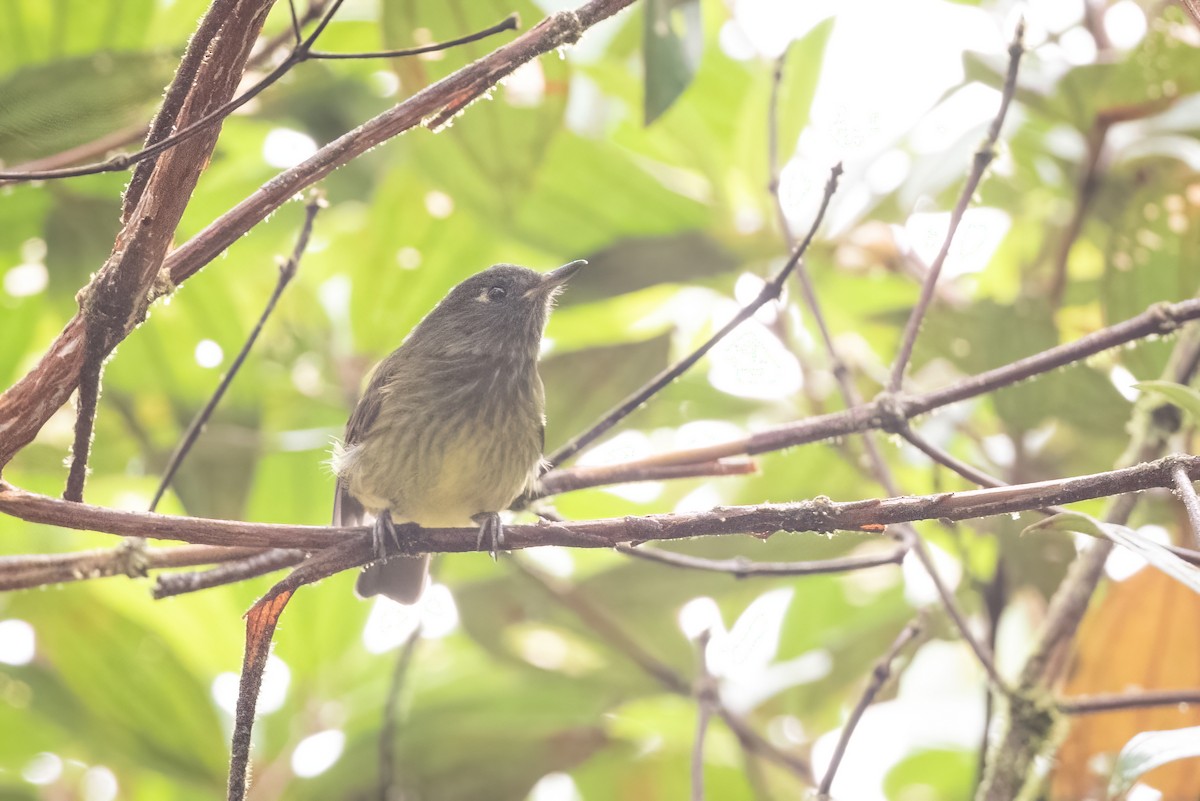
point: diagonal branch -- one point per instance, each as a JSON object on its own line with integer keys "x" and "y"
{"x": 113, "y": 303}
{"x": 287, "y": 271}
{"x": 983, "y": 157}
{"x": 26, "y": 406}
{"x": 769, "y": 292}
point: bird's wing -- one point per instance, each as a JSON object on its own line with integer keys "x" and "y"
{"x": 347, "y": 511}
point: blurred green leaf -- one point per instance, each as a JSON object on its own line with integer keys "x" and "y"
{"x": 670, "y": 56}
{"x": 1185, "y": 397}
{"x": 1147, "y": 751}
{"x": 1158, "y": 555}
{"x": 55, "y": 106}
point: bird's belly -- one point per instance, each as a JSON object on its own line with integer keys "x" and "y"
{"x": 444, "y": 483}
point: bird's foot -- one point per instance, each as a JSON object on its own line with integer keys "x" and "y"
{"x": 491, "y": 530}
{"x": 384, "y": 538}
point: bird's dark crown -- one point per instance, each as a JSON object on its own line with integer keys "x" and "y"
{"x": 503, "y": 308}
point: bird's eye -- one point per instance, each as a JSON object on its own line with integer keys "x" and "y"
{"x": 497, "y": 293}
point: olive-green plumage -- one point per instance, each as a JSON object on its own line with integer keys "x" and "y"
{"x": 451, "y": 425}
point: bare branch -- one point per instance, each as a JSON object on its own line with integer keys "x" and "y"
{"x": 1096, "y": 704}
{"x": 391, "y": 714}
{"x": 126, "y": 559}
{"x": 27, "y": 405}
{"x": 571, "y": 479}
{"x": 157, "y": 144}
{"x": 287, "y": 271}
{"x": 821, "y": 515}
{"x": 1187, "y": 493}
{"x": 983, "y": 157}
{"x": 113, "y": 303}
{"x": 258, "y": 564}
{"x": 706, "y": 699}
{"x": 740, "y": 567}
{"x": 879, "y": 677}
{"x": 610, "y": 631}
{"x": 982, "y": 653}
{"x": 769, "y": 292}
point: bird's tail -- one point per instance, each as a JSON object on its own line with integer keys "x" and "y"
{"x": 401, "y": 578}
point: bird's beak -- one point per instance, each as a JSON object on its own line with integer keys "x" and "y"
{"x": 556, "y": 278}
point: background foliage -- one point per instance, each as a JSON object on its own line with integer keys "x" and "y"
{"x": 508, "y": 687}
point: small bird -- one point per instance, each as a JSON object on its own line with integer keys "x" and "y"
{"x": 452, "y": 426}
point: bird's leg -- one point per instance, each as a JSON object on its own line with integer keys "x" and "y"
{"x": 491, "y": 530}
{"x": 384, "y": 538}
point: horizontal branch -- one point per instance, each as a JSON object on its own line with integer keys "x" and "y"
{"x": 38, "y": 570}
{"x": 821, "y": 514}
{"x": 890, "y": 411}
{"x": 741, "y": 567}
{"x": 1116, "y": 702}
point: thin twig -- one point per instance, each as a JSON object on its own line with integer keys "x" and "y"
{"x": 982, "y": 653}
{"x": 1187, "y": 493}
{"x": 301, "y": 53}
{"x": 706, "y": 692}
{"x": 1027, "y": 738}
{"x": 983, "y": 157}
{"x": 38, "y": 570}
{"x": 610, "y": 631}
{"x": 879, "y": 677}
{"x": 117, "y": 297}
{"x": 108, "y": 142}
{"x": 571, "y": 479}
{"x": 287, "y": 271}
{"x": 28, "y": 404}
{"x": 808, "y": 292}
{"x": 770, "y": 291}
{"x": 1096, "y": 704}
{"x": 740, "y": 567}
{"x": 259, "y": 564}
{"x": 391, "y": 716}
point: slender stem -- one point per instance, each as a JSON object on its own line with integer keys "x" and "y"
{"x": 571, "y": 479}
{"x": 1187, "y": 493}
{"x": 259, "y": 564}
{"x": 770, "y": 291}
{"x": 879, "y": 677}
{"x": 611, "y": 632}
{"x": 821, "y": 514}
{"x": 391, "y": 717}
{"x": 1096, "y": 704}
{"x": 983, "y": 157}
{"x": 706, "y": 693}
{"x": 982, "y": 653}
{"x": 287, "y": 271}
{"x": 301, "y": 53}
{"x": 741, "y": 567}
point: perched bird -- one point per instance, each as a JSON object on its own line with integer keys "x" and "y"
{"x": 451, "y": 428}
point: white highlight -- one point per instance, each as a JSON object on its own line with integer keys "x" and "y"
{"x": 209, "y": 353}
{"x": 17, "y": 642}
{"x": 45, "y": 768}
{"x": 439, "y": 204}
{"x": 318, "y": 753}
{"x": 390, "y": 624}
{"x": 26, "y": 279}
{"x": 284, "y": 148}
{"x": 99, "y": 784}
{"x": 276, "y": 678}
{"x": 555, "y": 787}
{"x": 1125, "y": 24}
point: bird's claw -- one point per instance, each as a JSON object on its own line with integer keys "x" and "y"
{"x": 384, "y": 539}
{"x": 491, "y": 530}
